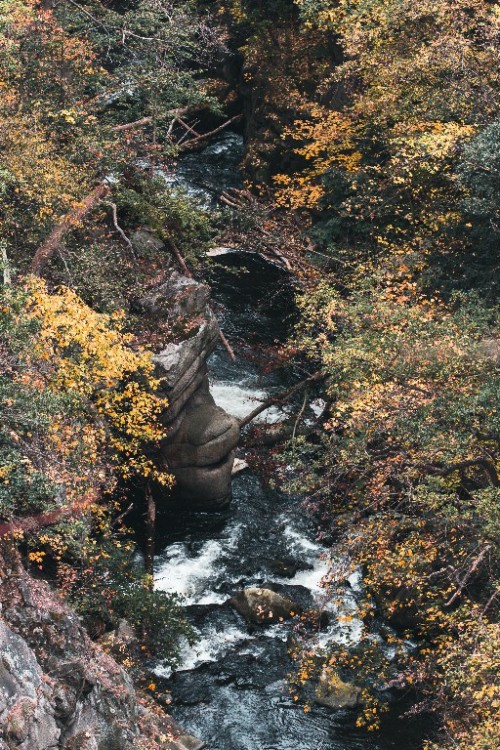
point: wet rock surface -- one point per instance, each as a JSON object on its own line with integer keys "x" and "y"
{"x": 261, "y": 605}
{"x": 334, "y": 692}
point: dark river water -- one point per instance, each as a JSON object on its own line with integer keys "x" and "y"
{"x": 230, "y": 688}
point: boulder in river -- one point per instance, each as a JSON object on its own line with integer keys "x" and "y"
{"x": 260, "y": 606}
{"x": 287, "y": 567}
{"x": 333, "y": 692}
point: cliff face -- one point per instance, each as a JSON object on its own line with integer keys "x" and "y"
{"x": 201, "y": 437}
{"x": 61, "y": 691}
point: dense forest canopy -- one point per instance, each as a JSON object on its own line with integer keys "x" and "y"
{"x": 372, "y": 162}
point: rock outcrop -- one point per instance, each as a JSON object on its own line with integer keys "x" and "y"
{"x": 201, "y": 436}
{"x": 61, "y": 691}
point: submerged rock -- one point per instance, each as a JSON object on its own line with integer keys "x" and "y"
{"x": 287, "y": 567}
{"x": 260, "y": 606}
{"x": 333, "y": 692}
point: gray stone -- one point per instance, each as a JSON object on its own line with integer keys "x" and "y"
{"x": 145, "y": 243}
{"x": 27, "y": 719}
{"x": 179, "y": 297}
{"x": 206, "y": 434}
{"x": 176, "y": 358}
{"x": 206, "y": 487}
{"x": 200, "y": 436}
{"x": 61, "y": 691}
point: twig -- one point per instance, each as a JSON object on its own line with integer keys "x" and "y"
{"x": 188, "y": 127}
{"x": 304, "y": 402}
{"x": 477, "y": 562}
{"x": 120, "y": 518}
{"x": 114, "y": 212}
{"x": 490, "y": 602}
{"x": 227, "y": 345}
{"x": 7, "y": 277}
{"x": 177, "y": 255}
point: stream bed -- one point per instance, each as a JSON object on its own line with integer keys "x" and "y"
{"x": 230, "y": 689}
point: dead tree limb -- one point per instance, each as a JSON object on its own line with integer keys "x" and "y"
{"x": 484, "y": 463}
{"x": 280, "y": 398}
{"x": 50, "y": 245}
{"x": 114, "y": 213}
{"x": 188, "y": 127}
{"x": 132, "y": 125}
{"x": 7, "y": 276}
{"x": 178, "y": 257}
{"x": 150, "y": 531}
{"x": 176, "y": 113}
{"x": 465, "y": 580}
{"x": 204, "y": 136}
{"x": 490, "y": 602}
{"x": 227, "y": 345}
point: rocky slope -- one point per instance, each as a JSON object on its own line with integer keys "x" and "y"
{"x": 61, "y": 691}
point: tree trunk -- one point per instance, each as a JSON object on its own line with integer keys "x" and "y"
{"x": 47, "y": 249}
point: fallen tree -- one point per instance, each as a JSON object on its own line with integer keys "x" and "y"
{"x": 280, "y": 398}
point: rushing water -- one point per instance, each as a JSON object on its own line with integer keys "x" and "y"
{"x": 230, "y": 688}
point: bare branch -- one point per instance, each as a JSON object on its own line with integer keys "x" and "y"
{"x": 132, "y": 125}
{"x": 475, "y": 565}
{"x": 205, "y": 136}
{"x": 114, "y": 212}
{"x": 47, "y": 249}
{"x": 281, "y": 398}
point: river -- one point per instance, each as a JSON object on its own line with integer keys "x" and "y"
{"x": 230, "y": 688}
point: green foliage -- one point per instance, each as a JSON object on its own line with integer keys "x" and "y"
{"x": 74, "y": 417}
{"x": 170, "y": 214}
{"x": 108, "y": 584}
{"x": 385, "y": 165}
{"x": 399, "y": 180}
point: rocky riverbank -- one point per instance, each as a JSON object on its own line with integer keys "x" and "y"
{"x": 60, "y": 690}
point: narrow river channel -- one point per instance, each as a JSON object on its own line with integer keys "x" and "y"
{"x": 230, "y": 689}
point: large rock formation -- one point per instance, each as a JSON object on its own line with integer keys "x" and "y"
{"x": 201, "y": 436}
{"x": 61, "y": 691}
